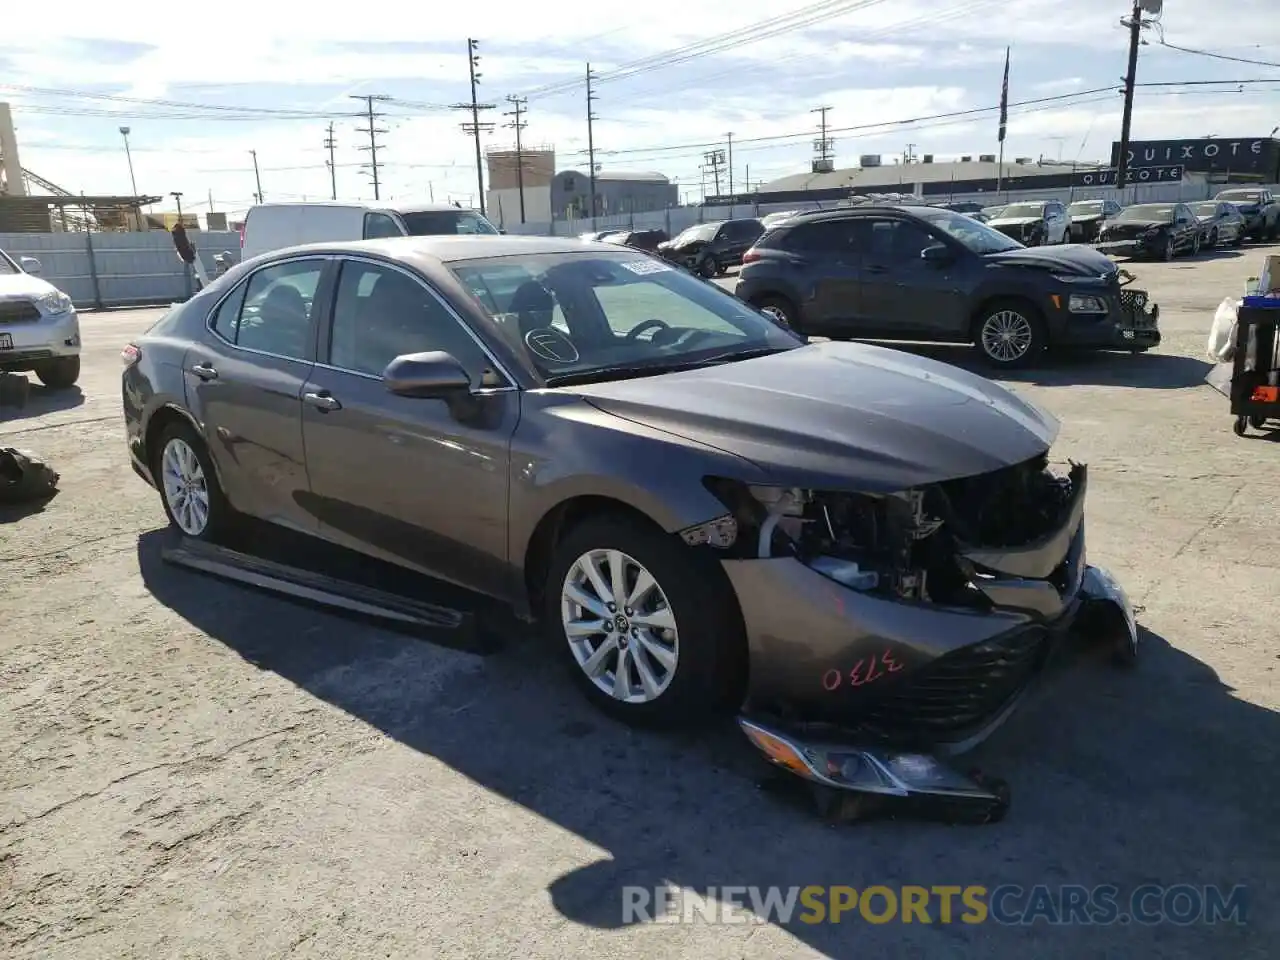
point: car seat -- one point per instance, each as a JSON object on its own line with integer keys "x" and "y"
{"x": 286, "y": 321}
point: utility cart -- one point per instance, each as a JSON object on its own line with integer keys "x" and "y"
{"x": 1255, "y": 373}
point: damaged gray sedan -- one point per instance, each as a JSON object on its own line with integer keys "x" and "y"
{"x": 866, "y": 553}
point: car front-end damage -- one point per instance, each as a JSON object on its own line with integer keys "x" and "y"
{"x": 887, "y": 631}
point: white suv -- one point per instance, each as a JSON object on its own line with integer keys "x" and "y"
{"x": 39, "y": 329}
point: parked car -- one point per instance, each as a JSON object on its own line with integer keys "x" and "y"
{"x": 599, "y": 234}
{"x": 708, "y": 249}
{"x": 1087, "y": 218}
{"x": 992, "y": 212}
{"x": 647, "y": 484}
{"x": 1034, "y": 223}
{"x": 920, "y": 273}
{"x": 1260, "y": 209}
{"x": 274, "y": 226}
{"x": 647, "y": 240}
{"x": 1221, "y": 223}
{"x": 1157, "y": 231}
{"x": 39, "y": 327}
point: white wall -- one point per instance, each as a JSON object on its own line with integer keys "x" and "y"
{"x": 503, "y": 206}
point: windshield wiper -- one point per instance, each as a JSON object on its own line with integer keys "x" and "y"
{"x": 652, "y": 369}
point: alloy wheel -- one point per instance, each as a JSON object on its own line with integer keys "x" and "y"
{"x": 186, "y": 489}
{"x": 1006, "y": 336}
{"x": 776, "y": 314}
{"x": 620, "y": 627}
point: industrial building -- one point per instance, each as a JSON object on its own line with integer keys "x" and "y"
{"x": 524, "y": 188}
{"x": 520, "y": 184}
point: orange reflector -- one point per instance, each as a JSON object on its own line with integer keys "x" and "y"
{"x": 1266, "y": 394}
{"x": 778, "y": 751}
{"x": 1057, "y": 301}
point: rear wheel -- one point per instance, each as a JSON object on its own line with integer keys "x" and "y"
{"x": 778, "y": 309}
{"x": 1010, "y": 334}
{"x": 59, "y": 374}
{"x": 647, "y": 629}
{"x": 193, "y": 500}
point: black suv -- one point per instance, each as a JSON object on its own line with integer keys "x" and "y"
{"x": 921, "y": 273}
{"x": 708, "y": 249}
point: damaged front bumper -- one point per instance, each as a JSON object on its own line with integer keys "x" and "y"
{"x": 861, "y": 692}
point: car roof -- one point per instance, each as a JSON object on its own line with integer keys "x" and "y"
{"x": 451, "y": 248}
{"x": 843, "y": 213}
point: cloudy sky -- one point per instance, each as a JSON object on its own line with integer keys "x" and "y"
{"x": 200, "y": 90}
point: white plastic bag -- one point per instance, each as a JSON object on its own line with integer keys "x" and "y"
{"x": 1222, "y": 335}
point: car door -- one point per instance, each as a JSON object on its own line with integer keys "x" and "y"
{"x": 822, "y": 267}
{"x": 422, "y": 482}
{"x": 1186, "y": 227}
{"x": 902, "y": 294}
{"x": 244, "y": 382}
{"x": 1057, "y": 224}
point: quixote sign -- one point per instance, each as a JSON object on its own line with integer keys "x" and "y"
{"x": 1249, "y": 155}
{"x": 1107, "y": 178}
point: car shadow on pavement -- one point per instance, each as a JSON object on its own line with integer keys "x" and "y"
{"x": 1118, "y": 777}
{"x": 41, "y": 400}
{"x": 1146, "y": 371}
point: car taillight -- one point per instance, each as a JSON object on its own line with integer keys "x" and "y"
{"x": 130, "y": 355}
{"x": 751, "y": 256}
{"x": 242, "y": 236}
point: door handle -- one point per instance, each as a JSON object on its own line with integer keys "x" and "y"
{"x": 204, "y": 371}
{"x": 322, "y": 401}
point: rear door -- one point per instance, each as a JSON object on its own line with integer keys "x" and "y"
{"x": 900, "y": 294}
{"x": 244, "y": 383}
{"x": 821, "y": 265}
{"x": 422, "y": 482}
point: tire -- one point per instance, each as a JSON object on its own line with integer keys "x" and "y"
{"x": 1025, "y": 326}
{"x": 1257, "y": 421}
{"x": 1239, "y": 426}
{"x": 1238, "y": 242}
{"x": 707, "y": 268}
{"x": 1170, "y": 251}
{"x": 1195, "y": 245}
{"x": 704, "y": 647}
{"x": 780, "y": 309}
{"x": 170, "y": 461}
{"x": 59, "y": 374}
{"x": 1213, "y": 239}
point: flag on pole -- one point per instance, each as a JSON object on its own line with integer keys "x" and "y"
{"x": 1004, "y": 97}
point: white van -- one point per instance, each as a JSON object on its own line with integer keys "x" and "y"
{"x": 274, "y": 226}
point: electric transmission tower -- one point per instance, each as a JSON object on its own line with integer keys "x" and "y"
{"x": 475, "y": 127}
{"x": 373, "y": 130}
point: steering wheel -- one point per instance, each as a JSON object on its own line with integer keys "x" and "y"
{"x": 634, "y": 332}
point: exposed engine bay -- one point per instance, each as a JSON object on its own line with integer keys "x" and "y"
{"x": 917, "y": 545}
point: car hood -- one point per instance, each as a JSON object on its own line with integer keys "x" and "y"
{"x": 1071, "y": 259}
{"x": 23, "y": 286}
{"x": 1138, "y": 224}
{"x": 1085, "y": 217}
{"x": 839, "y": 416}
{"x": 1014, "y": 221}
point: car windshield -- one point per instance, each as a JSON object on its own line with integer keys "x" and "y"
{"x": 7, "y": 266}
{"x": 434, "y": 223}
{"x": 1147, "y": 211}
{"x": 1241, "y": 196}
{"x": 974, "y": 234}
{"x": 1023, "y": 210}
{"x": 602, "y": 315}
{"x": 1208, "y": 208}
{"x": 1085, "y": 207}
{"x": 703, "y": 231}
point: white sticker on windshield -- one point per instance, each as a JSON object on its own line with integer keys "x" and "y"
{"x": 642, "y": 268}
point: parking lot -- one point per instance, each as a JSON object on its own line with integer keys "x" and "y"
{"x": 194, "y": 770}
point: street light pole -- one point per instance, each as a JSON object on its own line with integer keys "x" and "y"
{"x": 124, "y": 132}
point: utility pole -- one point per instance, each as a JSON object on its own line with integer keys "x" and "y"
{"x": 211, "y": 200}
{"x": 1135, "y": 25}
{"x": 257, "y": 177}
{"x": 730, "y": 136}
{"x": 519, "y": 105}
{"x": 372, "y": 130}
{"x": 330, "y": 144}
{"x": 910, "y": 155}
{"x": 591, "y": 140}
{"x": 824, "y": 155}
{"x": 475, "y": 127}
{"x": 715, "y": 160}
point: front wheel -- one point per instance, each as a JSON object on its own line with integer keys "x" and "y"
{"x": 1170, "y": 250}
{"x": 1010, "y": 334}
{"x": 1213, "y": 240}
{"x": 1195, "y": 245}
{"x": 59, "y": 374}
{"x": 648, "y": 628}
{"x": 193, "y": 500}
{"x": 707, "y": 268}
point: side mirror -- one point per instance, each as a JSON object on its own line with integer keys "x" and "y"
{"x": 937, "y": 253}
{"x": 30, "y": 265}
{"x": 426, "y": 375}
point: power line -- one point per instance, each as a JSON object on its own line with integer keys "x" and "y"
{"x": 518, "y": 125}
{"x": 1216, "y": 56}
{"x": 475, "y": 127}
{"x": 372, "y": 130}
{"x": 752, "y": 33}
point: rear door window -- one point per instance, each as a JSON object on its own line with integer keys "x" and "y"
{"x": 379, "y": 225}
{"x": 276, "y": 315}
{"x": 832, "y": 238}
